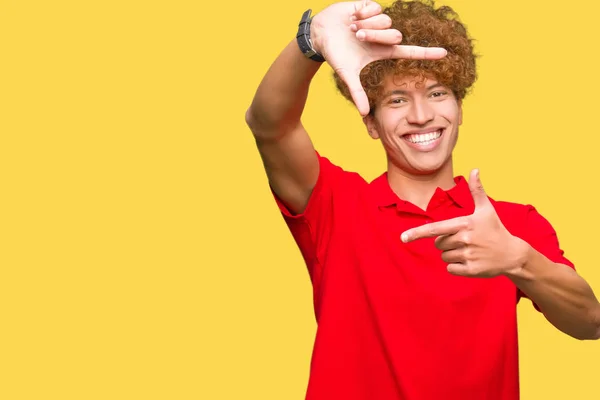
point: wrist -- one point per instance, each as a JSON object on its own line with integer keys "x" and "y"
{"x": 307, "y": 35}
{"x": 522, "y": 253}
{"x": 315, "y": 34}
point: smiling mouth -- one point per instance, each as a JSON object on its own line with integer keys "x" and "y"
{"x": 423, "y": 138}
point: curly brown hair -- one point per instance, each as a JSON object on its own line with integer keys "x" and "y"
{"x": 422, "y": 24}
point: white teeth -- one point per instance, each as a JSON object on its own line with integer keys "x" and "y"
{"x": 424, "y": 138}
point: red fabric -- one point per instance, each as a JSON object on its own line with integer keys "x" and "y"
{"x": 392, "y": 322}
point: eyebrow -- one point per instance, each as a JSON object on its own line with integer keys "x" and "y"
{"x": 404, "y": 92}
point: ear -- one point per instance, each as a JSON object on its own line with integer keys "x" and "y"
{"x": 371, "y": 125}
{"x": 460, "y": 112}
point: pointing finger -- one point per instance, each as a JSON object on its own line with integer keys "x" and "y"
{"x": 447, "y": 227}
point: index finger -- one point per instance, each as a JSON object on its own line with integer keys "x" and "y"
{"x": 418, "y": 52}
{"x": 447, "y": 227}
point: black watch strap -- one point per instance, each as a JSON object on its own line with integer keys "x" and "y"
{"x": 303, "y": 38}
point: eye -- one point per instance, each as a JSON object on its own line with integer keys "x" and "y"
{"x": 439, "y": 93}
{"x": 397, "y": 100}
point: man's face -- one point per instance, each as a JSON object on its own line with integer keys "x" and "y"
{"x": 417, "y": 121}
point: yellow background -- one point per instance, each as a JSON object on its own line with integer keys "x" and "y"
{"x": 142, "y": 256}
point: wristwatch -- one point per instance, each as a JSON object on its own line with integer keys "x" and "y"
{"x": 303, "y": 38}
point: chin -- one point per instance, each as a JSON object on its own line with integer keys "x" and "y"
{"x": 422, "y": 167}
{"x": 424, "y": 171}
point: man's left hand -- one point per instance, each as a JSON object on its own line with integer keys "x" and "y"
{"x": 477, "y": 245}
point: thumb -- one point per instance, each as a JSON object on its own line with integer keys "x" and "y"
{"x": 359, "y": 97}
{"x": 477, "y": 192}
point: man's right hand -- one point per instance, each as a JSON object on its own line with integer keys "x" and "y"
{"x": 351, "y": 35}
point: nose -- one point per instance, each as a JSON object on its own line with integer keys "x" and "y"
{"x": 419, "y": 113}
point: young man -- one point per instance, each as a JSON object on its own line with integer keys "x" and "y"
{"x": 417, "y": 274}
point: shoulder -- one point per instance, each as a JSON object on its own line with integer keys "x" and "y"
{"x": 524, "y": 219}
{"x": 338, "y": 175}
{"x": 526, "y": 222}
{"x": 509, "y": 208}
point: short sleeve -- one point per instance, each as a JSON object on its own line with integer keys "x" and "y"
{"x": 312, "y": 228}
{"x": 541, "y": 235}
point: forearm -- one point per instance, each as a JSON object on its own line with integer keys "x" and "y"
{"x": 564, "y": 297}
{"x": 281, "y": 96}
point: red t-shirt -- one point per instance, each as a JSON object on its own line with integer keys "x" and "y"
{"x": 392, "y": 322}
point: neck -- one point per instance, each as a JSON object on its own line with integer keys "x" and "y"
{"x": 418, "y": 189}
